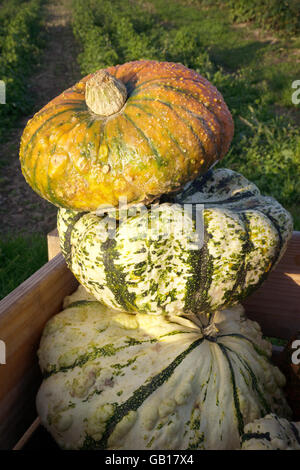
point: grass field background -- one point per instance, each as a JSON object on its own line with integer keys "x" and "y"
{"x": 20, "y": 44}
{"x": 249, "y": 52}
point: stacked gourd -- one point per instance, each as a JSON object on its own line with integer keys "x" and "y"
{"x": 154, "y": 350}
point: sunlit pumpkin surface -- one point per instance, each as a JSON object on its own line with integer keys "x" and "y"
{"x": 174, "y": 126}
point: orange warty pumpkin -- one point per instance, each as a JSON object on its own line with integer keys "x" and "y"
{"x": 132, "y": 131}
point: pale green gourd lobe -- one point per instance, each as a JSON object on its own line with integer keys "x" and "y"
{"x": 121, "y": 381}
{"x": 271, "y": 433}
{"x": 245, "y": 234}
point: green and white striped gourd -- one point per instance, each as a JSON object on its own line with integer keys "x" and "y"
{"x": 114, "y": 380}
{"x": 271, "y": 433}
{"x": 136, "y": 269}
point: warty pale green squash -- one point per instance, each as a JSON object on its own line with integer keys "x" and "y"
{"x": 114, "y": 380}
{"x": 135, "y": 268}
{"x": 271, "y": 433}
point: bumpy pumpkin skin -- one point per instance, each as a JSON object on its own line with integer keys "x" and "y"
{"x": 245, "y": 234}
{"x": 173, "y": 127}
{"x": 271, "y": 433}
{"x": 120, "y": 381}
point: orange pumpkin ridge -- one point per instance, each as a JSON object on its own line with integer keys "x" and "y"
{"x": 173, "y": 126}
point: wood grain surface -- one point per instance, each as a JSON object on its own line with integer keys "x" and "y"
{"x": 53, "y": 244}
{"x": 23, "y": 314}
{"x": 276, "y": 304}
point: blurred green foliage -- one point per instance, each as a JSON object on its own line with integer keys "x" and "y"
{"x": 20, "y": 23}
{"x": 266, "y": 146}
{"x": 254, "y": 76}
{"x": 282, "y": 16}
{"x": 279, "y": 16}
{"x": 20, "y": 42}
{"x": 20, "y": 256}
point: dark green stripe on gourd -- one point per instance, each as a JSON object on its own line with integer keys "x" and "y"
{"x": 280, "y": 243}
{"x": 251, "y": 288}
{"x": 256, "y": 435}
{"x": 266, "y": 407}
{"x": 99, "y": 133}
{"x": 115, "y": 277}
{"x": 192, "y": 285}
{"x": 206, "y": 128}
{"x": 138, "y": 398}
{"x": 82, "y": 303}
{"x": 171, "y": 107}
{"x": 47, "y": 110}
{"x": 238, "y": 413}
{"x": 202, "y": 268}
{"x": 65, "y": 243}
{"x": 257, "y": 349}
{"x": 142, "y": 108}
{"x": 159, "y": 159}
{"x": 31, "y": 142}
{"x": 143, "y": 381}
{"x": 272, "y": 432}
{"x": 296, "y": 432}
{"x": 155, "y": 275}
{"x": 50, "y": 193}
{"x": 160, "y": 81}
{"x": 181, "y": 118}
{"x": 207, "y": 271}
{"x": 238, "y": 198}
{"x": 232, "y": 295}
{"x": 187, "y": 93}
{"x": 205, "y": 274}
{"x": 103, "y": 351}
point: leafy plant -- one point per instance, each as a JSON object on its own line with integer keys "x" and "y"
{"x": 266, "y": 147}
{"x": 20, "y": 256}
{"x": 20, "y": 43}
{"x": 278, "y": 15}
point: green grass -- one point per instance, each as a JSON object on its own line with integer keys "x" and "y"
{"x": 275, "y": 15}
{"x": 278, "y": 16}
{"x": 276, "y": 341}
{"x": 20, "y": 43}
{"x": 20, "y": 256}
{"x": 254, "y": 76}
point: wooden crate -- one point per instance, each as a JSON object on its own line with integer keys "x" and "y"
{"x": 24, "y": 312}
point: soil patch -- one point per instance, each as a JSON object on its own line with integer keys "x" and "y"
{"x": 21, "y": 209}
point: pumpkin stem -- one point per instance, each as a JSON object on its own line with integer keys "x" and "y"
{"x": 211, "y": 330}
{"x": 105, "y": 94}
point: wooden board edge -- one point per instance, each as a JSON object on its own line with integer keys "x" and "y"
{"x": 57, "y": 263}
{"x": 27, "y": 434}
{"x": 53, "y": 244}
{"x": 26, "y": 310}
